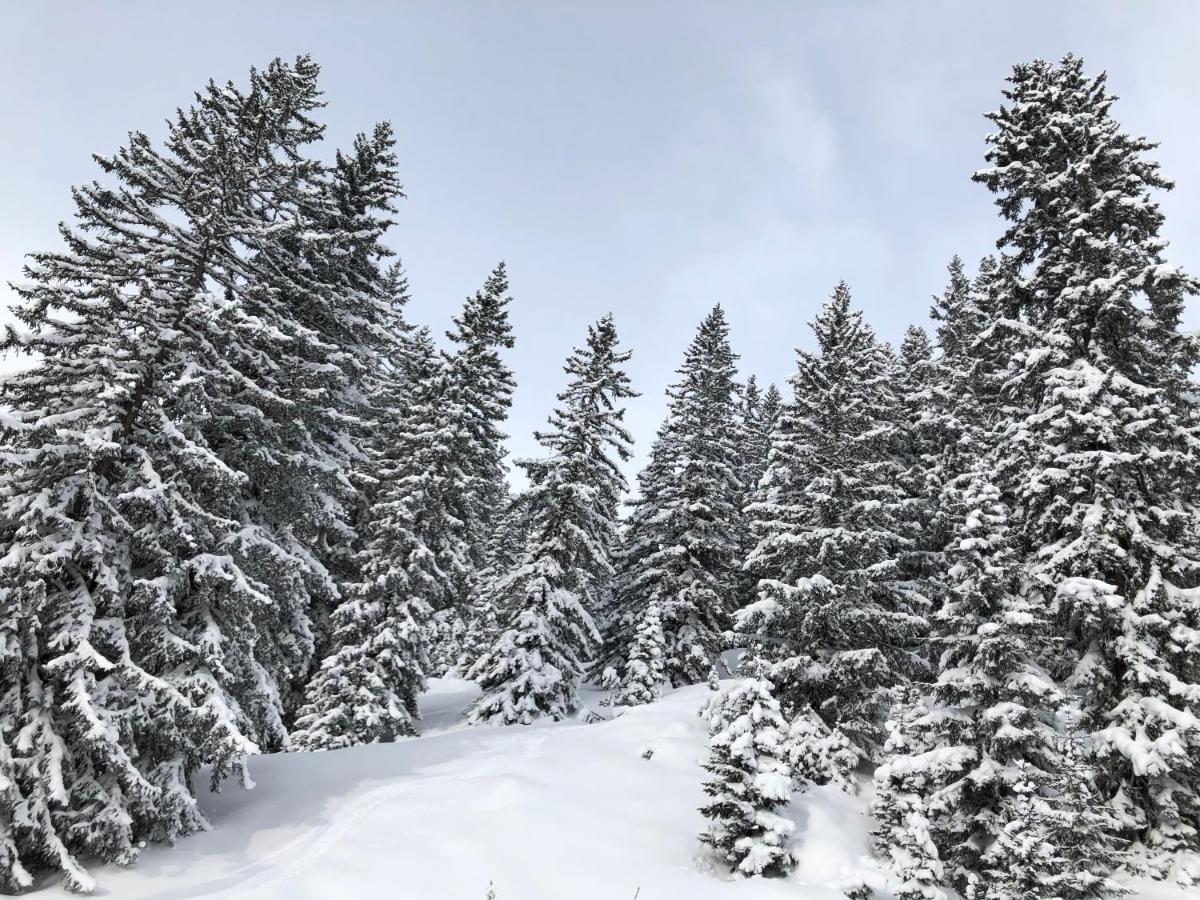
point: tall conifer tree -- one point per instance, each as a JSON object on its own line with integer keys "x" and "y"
{"x": 533, "y": 670}
{"x": 841, "y": 625}
{"x": 154, "y": 605}
{"x": 475, "y": 399}
{"x": 1102, "y": 470}
{"x": 682, "y": 554}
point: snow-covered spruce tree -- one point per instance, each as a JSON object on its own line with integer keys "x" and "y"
{"x": 920, "y": 444}
{"x": 941, "y": 414}
{"x": 488, "y": 615}
{"x": 905, "y": 785}
{"x": 753, "y": 444}
{"x": 150, "y": 621}
{"x": 332, "y": 286}
{"x": 323, "y": 307}
{"x": 1103, "y": 469}
{"x": 981, "y": 788}
{"x": 532, "y": 670}
{"x": 412, "y": 557}
{"x": 840, "y": 624}
{"x": 757, "y": 418}
{"x": 359, "y": 317}
{"x": 962, "y": 392}
{"x": 758, "y": 422}
{"x": 645, "y": 670}
{"x": 684, "y": 536}
{"x": 950, "y": 402}
{"x": 619, "y": 621}
{"x": 381, "y": 391}
{"x": 476, "y": 396}
{"x": 977, "y": 761}
{"x": 751, "y": 780}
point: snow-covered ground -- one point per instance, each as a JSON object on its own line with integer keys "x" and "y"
{"x": 552, "y": 812}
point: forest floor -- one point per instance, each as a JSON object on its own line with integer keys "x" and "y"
{"x": 551, "y": 812}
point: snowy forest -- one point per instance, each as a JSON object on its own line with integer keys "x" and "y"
{"x": 252, "y": 509}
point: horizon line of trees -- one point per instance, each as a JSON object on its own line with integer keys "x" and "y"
{"x": 249, "y": 507}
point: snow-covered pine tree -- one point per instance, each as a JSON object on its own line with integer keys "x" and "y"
{"x": 840, "y": 625}
{"x": 476, "y": 395}
{"x": 645, "y": 671}
{"x": 413, "y": 554}
{"x": 682, "y": 552}
{"x": 618, "y": 623}
{"x": 976, "y": 764}
{"x": 942, "y": 414}
{"x": 1102, "y": 470}
{"x": 360, "y": 320}
{"x": 963, "y": 390}
{"x": 980, "y": 787}
{"x": 753, "y": 445}
{"x": 150, "y": 621}
{"x": 751, "y": 780}
{"x": 488, "y": 615}
{"x": 960, "y": 319}
{"x": 714, "y": 679}
{"x": 532, "y": 670}
{"x": 341, "y": 306}
{"x": 758, "y": 417}
{"x": 920, "y": 444}
{"x": 759, "y": 423}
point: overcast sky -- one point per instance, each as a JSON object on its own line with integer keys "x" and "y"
{"x": 651, "y": 159}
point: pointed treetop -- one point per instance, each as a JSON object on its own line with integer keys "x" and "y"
{"x": 916, "y": 348}
{"x": 484, "y": 317}
{"x": 837, "y": 327}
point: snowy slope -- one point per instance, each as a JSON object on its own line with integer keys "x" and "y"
{"x": 555, "y": 812}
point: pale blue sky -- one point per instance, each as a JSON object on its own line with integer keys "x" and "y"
{"x": 650, "y": 159}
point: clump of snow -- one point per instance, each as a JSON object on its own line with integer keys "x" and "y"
{"x": 544, "y": 812}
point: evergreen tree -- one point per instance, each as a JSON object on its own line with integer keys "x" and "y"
{"x": 754, "y": 445}
{"x": 1102, "y": 468}
{"x": 620, "y": 620}
{"x": 751, "y": 780}
{"x": 644, "y": 670}
{"x": 981, "y": 786}
{"x": 412, "y": 555}
{"x": 488, "y": 614}
{"x": 961, "y": 396}
{"x": 919, "y": 379}
{"x": 478, "y": 396}
{"x": 152, "y": 613}
{"x": 760, "y": 426}
{"x": 840, "y": 625}
{"x": 447, "y": 634}
{"x": 360, "y": 318}
{"x": 758, "y": 418}
{"x": 683, "y": 537}
{"x": 532, "y": 671}
{"x": 475, "y": 398}
{"x": 960, "y": 319}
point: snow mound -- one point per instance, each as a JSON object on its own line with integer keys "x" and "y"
{"x": 548, "y": 812}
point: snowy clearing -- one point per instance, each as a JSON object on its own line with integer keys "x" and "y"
{"x": 545, "y": 812}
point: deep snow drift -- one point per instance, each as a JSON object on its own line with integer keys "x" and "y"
{"x": 550, "y": 812}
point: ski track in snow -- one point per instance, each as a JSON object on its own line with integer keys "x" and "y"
{"x": 547, "y": 812}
